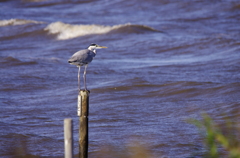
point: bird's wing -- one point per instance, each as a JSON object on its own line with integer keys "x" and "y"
{"x": 82, "y": 57}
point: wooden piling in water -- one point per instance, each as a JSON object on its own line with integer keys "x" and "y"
{"x": 83, "y": 108}
{"x": 68, "y": 138}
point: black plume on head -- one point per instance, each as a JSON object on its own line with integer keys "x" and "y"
{"x": 93, "y": 44}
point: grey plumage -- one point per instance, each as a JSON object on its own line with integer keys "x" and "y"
{"x": 83, "y": 58}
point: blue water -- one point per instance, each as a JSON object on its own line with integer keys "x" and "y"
{"x": 167, "y": 61}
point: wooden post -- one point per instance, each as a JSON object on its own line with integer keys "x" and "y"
{"x": 83, "y": 107}
{"x": 68, "y": 138}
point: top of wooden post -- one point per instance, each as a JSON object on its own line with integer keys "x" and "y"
{"x": 83, "y": 103}
{"x": 84, "y": 92}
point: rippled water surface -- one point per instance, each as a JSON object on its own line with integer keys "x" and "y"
{"x": 167, "y": 61}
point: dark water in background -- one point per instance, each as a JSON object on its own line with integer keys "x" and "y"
{"x": 166, "y": 61}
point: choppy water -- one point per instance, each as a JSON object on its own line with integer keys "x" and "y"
{"x": 166, "y": 61}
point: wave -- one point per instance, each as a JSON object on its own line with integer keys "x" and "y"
{"x": 17, "y": 22}
{"x": 67, "y": 31}
{"x": 64, "y": 31}
{"x": 11, "y": 61}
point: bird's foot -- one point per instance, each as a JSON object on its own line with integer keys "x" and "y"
{"x": 86, "y": 90}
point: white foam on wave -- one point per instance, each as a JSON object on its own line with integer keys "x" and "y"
{"x": 17, "y": 22}
{"x": 68, "y": 31}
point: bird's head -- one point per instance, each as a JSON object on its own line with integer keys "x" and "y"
{"x": 95, "y": 46}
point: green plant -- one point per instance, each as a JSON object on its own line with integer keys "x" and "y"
{"x": 216, "y": 136}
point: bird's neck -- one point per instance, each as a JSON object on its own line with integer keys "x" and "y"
{"x": 94, "y": 50}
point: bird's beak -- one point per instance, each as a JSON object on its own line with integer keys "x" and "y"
{"x": 102, "y": 47}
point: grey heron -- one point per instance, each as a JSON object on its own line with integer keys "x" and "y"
{"x": 83, "y": 58}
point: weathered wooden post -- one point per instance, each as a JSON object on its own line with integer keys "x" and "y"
{"x": 83, "y": 107}
{"x": 68, "y": 138}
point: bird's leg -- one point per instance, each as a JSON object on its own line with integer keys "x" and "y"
{"x": 84, "y": 77}
{"x": 79, "y": 87}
